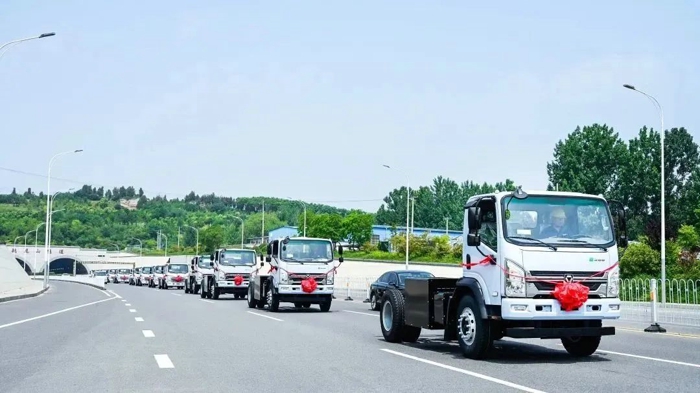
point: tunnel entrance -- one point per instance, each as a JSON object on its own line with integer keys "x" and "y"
{"x": 64, "y": 265}
{"x": 27, "y": 267}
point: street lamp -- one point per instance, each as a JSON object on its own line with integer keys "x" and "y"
{"x": 24, "y": 265}
{"x": 663, "y": 192}
{"x": 304, "y": 204}
{"x": 9, "y": 44}
{"x": 408, "y": 211}
{"x": 53, "y": 198}
{"x": 166, "y": 242}
{"x": 242, "y": 228}
{"x": 197, "y": 232}
{"x": 140, "y": 245}
{"x": 48, "y": 215}
{"x": 36, "y": 237}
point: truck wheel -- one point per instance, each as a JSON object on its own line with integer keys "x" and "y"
{"x": 325, "y": 306}
{"x": 216, "y": 292}
{"x": 297, "y": 305}
{"x": 196, "y": 289}
{"x": 273, "y": 300}
{"x": 306, "y": 305}
{"x": 373, "y": 302}
{"x": 473, "y": 332}
{"x": 251, "y": 300}
{"x": 187, "y": 286}
{"x": 391, "y": 318}
{"x": 581, "y": 346}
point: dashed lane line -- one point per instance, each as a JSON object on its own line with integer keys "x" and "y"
{"x": 114, "y": 293}
{"x": 164, "y": 361}
{"x": 148, "y": 333}
{"x": 138, "y": 319}
{"x": 132, "y": 310}
{"x": 128, "y": 304}
{"x": 265, "y": 316}
{"x": 361, "y": 313}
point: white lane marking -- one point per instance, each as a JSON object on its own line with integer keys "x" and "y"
{"x": 208, "y": 301}
{"x": 265, "y": 316}
{"x": 128, "y": 304}
{"x": 123, "y": 300}
{"x": 132, "y": 310}
{"x": 650, "y": 358}
{"x": 164, "y": 361}
{"x": 466, "y": 372}
{"x": 138, "y": 319}
{"x": 54, "y": 313}
{"x": 362, "y": 313}
{"x": 114, "y": 293}
{"x": 104, "y": 292}
{"x": 176, "y": 294}
{"x": 148, "y": 333}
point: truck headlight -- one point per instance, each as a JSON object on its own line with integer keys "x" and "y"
{"x": 222, "y": 276}
{"x": 329, "y": 279}
{"x": 515, "y": 279}
{"x": 614, "y": 283}
{"x": 284, "y": 277}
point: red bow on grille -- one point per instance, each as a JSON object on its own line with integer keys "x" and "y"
{"x": 238, "y": 280}
{"x": 178, "y": 279}
{"x": 308, "y": 285}
{"x": 571, "y": 295}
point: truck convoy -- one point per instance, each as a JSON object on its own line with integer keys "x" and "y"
{"x": 540, "y": 265}
{"x": 231, "y": 271}
{"x": 301, "y": 271}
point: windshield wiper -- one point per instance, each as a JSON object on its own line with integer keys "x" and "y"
{"x": 584, "y": 242}
{"x": 534, "y": 240}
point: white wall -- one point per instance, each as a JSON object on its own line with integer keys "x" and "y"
{"x": 12, "y": 276}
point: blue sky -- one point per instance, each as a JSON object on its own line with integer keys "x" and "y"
{"x": 307, "y": 99}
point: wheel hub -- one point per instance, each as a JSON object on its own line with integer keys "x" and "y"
{"x": 466, "y": 326}
{"x": 387, "y": 316}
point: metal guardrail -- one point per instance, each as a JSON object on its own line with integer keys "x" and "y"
{"x": 682, "y": 305}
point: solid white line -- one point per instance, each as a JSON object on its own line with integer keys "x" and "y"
{"x": 362, "y": 313}
{"x": 138, "y": 319}
{"x": 114, "y": 293}
{"x": 164, "y": 361}
{"x": 466, "y": 372}
{"x": 265, "y": 316}
{"x": 208, "y": 301}
{"x": 54, "y": 313}
{"x": 104, "y": 292}
{"x": 176, "y": 294}
{"x": 132, "y": 310}
{"x": 128, "y": 304}
{"x": 650, "y": 358}
{"x": 148, "y": 333}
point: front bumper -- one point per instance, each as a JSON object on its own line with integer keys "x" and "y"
{"x": 285, "y": 289}
{"x": 550, "y": 309}
{"x": 232, "y": 285}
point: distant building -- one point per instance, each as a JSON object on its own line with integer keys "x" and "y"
{"x": 130, "y": 204}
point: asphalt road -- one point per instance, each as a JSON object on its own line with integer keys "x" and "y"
{"x": 176, "y": 342}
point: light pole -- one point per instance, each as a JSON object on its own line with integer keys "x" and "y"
{"x": 304, "y": 204}
{"x": 663, "y": 191}
{"x": 197, "y": 232}
{"x": 117, "y": 246}
{"x": 242, "y": 228}
{"x": 408, "y": 211}
{"x": 166, "y": 242}
{"x": 9, "y": 44}
{"x": 140, "y": 245}
{"x": 48, "y": 215}
{"x": 447, "y": 226}
{"x": 36, "y": 238}
{"x": 53, "y": 198}
{"x": 24, "y": 266}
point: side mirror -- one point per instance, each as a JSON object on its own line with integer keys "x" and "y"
{"x": 473, "y": 239}
{"x": 473, "y": 219}
{"x": 261, "y": 258}
{"x": 211, "y": 257}
{"x": 262, "y": 264}
{"x": 340, "y": 249}
{"x": 211, "y": 264}
{"x": 268, "y": 259}
{"x": 623, "y": 242}
{"x": 341, "y": 260}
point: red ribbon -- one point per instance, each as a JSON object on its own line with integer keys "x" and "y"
{"x": 238, "y": 280}
{"x": 178, "y": 279}
{"x": 571, "y": 295}
{"x": 308, "y": 285}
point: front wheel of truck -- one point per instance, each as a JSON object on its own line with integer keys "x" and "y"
{"x": 251, "y": 300}
{"x": 325, "y": 306}
{"x": 473, "y": 331}
{"x": 581, "y": 346}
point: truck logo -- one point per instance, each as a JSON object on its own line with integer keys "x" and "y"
{"x": 568, "y": 278}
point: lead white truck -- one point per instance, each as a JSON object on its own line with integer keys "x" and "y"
{"x": 231, "y": 273}
{"x": 302, "y": 271}
{"x": 522, "y": 254}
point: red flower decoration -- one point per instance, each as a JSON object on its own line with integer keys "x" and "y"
{"x": 308, "y": 285}
{"x": 238, "y": 280}
{"x": 571, "y": 295}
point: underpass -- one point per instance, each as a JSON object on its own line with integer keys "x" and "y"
{"x": 142, "y": 339}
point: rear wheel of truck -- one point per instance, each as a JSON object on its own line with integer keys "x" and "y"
{"x": 273, "y": 300}
{"x": 392, "y": 319}
{"x": 251, "y": 300}
{"x": 473, "y": 332}
{"x": 196, "y": 289}
{"x": 581, "y": 346}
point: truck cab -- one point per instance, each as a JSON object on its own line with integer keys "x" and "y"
{"x": 522, "y": 254}
{"x": 199, "y": 267}
{"x": 134, "y": 275}
{"x": 302, "y": 271}
{"x": 112, "y": 275}
{"x": 144, "y": 277}
{"x": 123, "y": 275}
{"x": 232, "y": 269}
{"x": 174, "y": 275}
{"x": 156, "y": 275}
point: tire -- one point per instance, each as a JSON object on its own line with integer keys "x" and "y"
{"x": 473, "y": 331}
{"x": 215, "y": 292}
{"x": 391, "y": 318}
{"x": 325, "y": 306}
{"x": 297, "y": 305}
{"x": 203, "y": 294}
{"x": 196, "y": 289}
{"x": 251, "y": 300}
{"x": 374, "y": 302}
{"x": 187, "y": 286}
{"x": 581, "y": 346}
{"x": 306, "y": 305}
{"x": 273, "y": 300}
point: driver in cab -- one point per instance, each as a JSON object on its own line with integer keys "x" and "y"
{"x": 558, "y": 221}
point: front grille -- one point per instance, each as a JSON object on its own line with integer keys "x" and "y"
{"x": 232, "y": 276}
{"x": 545, "y": 286}
{"x": 554, "y": 275}
{"x": 297, "y": 279}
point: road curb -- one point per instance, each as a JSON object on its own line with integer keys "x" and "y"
{"x": 25, "y": 296}
{"x": 104, "y": 288}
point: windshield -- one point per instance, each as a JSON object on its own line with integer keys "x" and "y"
{"x": 404, "y": 275}
{"x": 112, "y": 271}
{"x": 177, "y": 269}
{"x": 561, "y": 220}
{"x": 304, "y": 250}
{"x": 234, "y": 258}
{"x": 101, "y": 273}
{"x": 124, "y": 271}
{"x": 146, "y": 270}
{"x": 204, "y": 262}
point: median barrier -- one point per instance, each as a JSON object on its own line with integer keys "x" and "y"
{"x": 96, "y": 282}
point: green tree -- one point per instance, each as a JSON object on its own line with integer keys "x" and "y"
{"x": 211, "y": 238}
{"x": 357, "y": 226}
{"x": 640, "y": 259}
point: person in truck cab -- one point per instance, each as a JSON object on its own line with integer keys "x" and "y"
{"x": 557, "y": 224}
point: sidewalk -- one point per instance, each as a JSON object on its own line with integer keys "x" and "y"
{"x": 32, "y": 289}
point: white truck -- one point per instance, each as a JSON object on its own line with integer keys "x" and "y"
{"x": 174, "y": 275}
{"x": 522, "y": 254}
{"x": 302, "y": 271}
{"x": 231, "y": 273}
{"x": 199, "y": 268}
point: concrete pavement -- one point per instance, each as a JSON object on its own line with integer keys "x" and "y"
{"x": 164, "y": 340}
